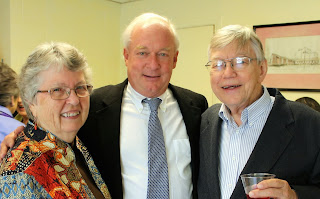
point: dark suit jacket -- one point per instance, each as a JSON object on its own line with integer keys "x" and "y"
{"x": 288, "y": 146}
{"x": 102, "y": 130}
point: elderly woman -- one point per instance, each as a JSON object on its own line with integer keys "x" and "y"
{"x": 9, "y": 94}
{"x": 22, "y": 114}
{"x": 48, "y": 160}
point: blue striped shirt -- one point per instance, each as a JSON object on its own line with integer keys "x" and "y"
{"x": 237, "y": 142}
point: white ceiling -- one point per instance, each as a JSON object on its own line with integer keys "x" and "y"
{"x": 122, "y": 1}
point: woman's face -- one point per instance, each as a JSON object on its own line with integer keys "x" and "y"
{"x": 20, "y": 108}
{"x": 61, "y": 117}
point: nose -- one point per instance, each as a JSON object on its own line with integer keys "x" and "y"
{"x": 73, "y": 98}
{"x": 153, "y": 61}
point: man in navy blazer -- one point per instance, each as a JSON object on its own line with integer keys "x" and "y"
{"x": 103, "y": 125}
{"x": 255, "y": 130}
{"x": 151, "y": 51}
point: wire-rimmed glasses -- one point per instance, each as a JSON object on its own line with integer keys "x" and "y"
{"x": 60, "y": 93}
{"x": 236, "y": 63}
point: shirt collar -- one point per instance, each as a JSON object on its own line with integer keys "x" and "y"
{"x": 137, "y": 98}
{"x": 251, "y": 113}
{"x": 5, "y": 110}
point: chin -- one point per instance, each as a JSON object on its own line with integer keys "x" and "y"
{"x": 73, "y": 129}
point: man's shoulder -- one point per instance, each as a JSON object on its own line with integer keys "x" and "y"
{"x": 296, "y": 108}
{"x": 212, "y": 111}
{"x": 106, "y": 95}
{"x": 106, "y": 91}
{"x": 187, "y": 97}
{"x": 302, "y": 110}
{"x": 183, "y": 92}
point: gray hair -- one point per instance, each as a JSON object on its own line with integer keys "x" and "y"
{"x": 244, "y": 36}
{"x": 8, "y": 85}
{"x": 58, "y": 55}
{"x": 149, "y": 19}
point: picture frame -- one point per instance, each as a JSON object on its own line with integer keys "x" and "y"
{"x": 292, "y": 51}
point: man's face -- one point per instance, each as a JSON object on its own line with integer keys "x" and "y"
{"x": 150, "y": 59}
{"x": 237, "y": 89}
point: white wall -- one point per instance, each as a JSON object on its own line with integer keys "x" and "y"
{"x": 191, "y": 13}
{"x": 90, "y": 25}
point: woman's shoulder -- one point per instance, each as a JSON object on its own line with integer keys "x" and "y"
{"x": 19, "y": 157}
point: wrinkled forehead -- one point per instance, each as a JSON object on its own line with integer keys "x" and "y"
{"x": 234, "y": 47}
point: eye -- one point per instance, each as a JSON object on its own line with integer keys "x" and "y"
{"x": 241, "y": 60}
{"x": 81, "y": 88}
{"x": 219, "y": 63}
{"x": 57, "y": 90}
{"x": 142, "y": 53}
{"x": 163, "y": 54}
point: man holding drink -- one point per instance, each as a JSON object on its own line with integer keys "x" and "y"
{"x": 255, "y": 129}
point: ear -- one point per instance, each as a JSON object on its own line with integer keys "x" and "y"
{"x": 126, "y": 55}
{"x": 263, "y": 70}
{"x": 175, "y": 59}
{"x": 12, "y": 101}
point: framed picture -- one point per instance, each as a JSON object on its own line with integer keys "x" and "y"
{"x": 292, "y": 51}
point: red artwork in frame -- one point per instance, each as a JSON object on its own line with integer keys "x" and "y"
{"x": 293, "y": 54}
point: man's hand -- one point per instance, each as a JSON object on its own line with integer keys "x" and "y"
{"x": 8, "y": 141}
{"x": 273, "y": 188}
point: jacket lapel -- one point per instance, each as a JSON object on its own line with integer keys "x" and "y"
{"x": 209, "y": 153}
{"x": 110, "y": 111}
{"x": 275, "y": 135}
{"x": 190, "y": 113}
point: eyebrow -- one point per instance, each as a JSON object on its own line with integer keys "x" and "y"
{"x": 144, "y": 47}
{"x": 239, "y": 55}
{"x": 141, "y": 47}
{"x": 64, "y": 85}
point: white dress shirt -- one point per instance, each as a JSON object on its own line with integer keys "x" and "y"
{"x": 134, "y": 146}
{"x": 237, "y": 142}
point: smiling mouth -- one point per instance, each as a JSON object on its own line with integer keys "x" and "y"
{"x": 70, "y": 114}
{"x": 230, "y": 87}
{"x": 151, "y": 76}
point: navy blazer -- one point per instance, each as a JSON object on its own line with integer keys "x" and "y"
{"x": 288, "y": 146}
{"x": 101, "y": 132}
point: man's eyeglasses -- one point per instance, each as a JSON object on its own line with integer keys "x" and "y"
{"x": 237, "y": 63}
{"x": 61, "y": 93}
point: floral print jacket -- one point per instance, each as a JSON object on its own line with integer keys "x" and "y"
{"x": 41, "y": 165}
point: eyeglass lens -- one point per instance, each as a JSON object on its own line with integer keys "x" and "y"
{"x": 64, "y": 92}
{"x": 237, "y": 63}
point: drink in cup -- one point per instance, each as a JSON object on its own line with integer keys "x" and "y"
{"x": 251, "y": 180}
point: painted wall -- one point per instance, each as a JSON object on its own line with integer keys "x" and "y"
{"x": 90, "y": 25}
{"x": 5, "y": 31}
{"x": 190, "y": 13}
{"x": 95, "y": 26}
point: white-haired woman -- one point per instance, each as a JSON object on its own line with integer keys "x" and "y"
{"x": 48, "y": 160}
